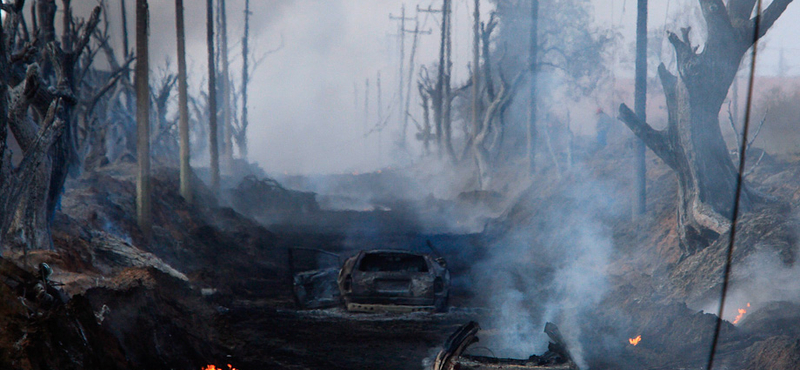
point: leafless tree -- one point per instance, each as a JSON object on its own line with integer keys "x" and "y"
{"x": 40, "y": 111}
{"x": 489, "y": 115}
{"x": 692, "y": 143}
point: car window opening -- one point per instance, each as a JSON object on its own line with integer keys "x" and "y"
{"x": 393, "y": 262}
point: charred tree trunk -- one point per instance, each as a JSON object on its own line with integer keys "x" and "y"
{"x": 692, "y": 144}
{"x": 183, "y": 105}
{"x": 426, "y": 116}
{"x": 491, "y": 116}
{"x": 124, "y": 15}
{"x": 227, "y": 128}
{"x": 447, "y": 100}
{"x": 476, "y": 62}
{"x": 438, "y": 97}
{"x": 242, "y": 134}
{"x": 15, "y": 182}
{"x": 36, "y": 211}
{"x": 143, "y": 205}
{"x": 212, "y": 98}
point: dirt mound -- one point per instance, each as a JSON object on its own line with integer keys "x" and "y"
{"x": 64, "y": 337}
{"x": 159, "y": 321}
{"x": 137, "y": 302}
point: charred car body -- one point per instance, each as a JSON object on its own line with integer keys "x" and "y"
{"x": 376, "y": 281}
{"x": 386, "y": 280}
{"x": 452, "y": 356}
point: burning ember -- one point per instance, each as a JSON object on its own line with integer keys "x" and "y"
{"x": 212, "y": 367}
{"x": 742, "y": 311}
{"x": 635, "y": 341}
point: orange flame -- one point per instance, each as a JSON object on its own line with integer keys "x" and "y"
{"x": 636, "y": 340}
{"x": 213, "y": 367}
{"x": 742, "y": 311}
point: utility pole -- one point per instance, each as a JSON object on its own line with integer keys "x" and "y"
{"x": 402, "y": 34}
{"x": 380, "y": 109}
{"x": 443, "y": 101}
{"x": 436, "y": 98}
{"x": 416, "y": 32}
{"x": 476, "y": 34}
{"x": 380, "y": 120}
{"x": 366, "y": 105}
{"x": 366, "y": 115}
{"x": 183, "y": 107}
{"x": 640, "y": 167}
{"x": 533, "y": 65}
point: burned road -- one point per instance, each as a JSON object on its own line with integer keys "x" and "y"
{"x": 265, "y": 337}
{"x": 278, "y": 334}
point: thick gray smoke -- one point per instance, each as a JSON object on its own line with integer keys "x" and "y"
{"x": 761, "y": 278}
{"x": 550, "y": 268}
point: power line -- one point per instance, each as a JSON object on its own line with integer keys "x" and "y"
{"x": 739, "y": 183}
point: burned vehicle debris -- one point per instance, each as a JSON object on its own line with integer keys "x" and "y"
{"x": 315, "y": 287}
{"x": 452, "y": 355}
{"x": 371, "y": 281}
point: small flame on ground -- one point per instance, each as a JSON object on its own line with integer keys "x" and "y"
{"x": 213, "y": 367}
{"x": 742, "y": 311}
{"x": 635, "y": 341}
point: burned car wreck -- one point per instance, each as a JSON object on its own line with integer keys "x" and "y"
{"x": 373, "y": 281}
{"x": 387, "y": 280}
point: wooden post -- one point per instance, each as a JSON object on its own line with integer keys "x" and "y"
{"x": 183, "y": 105}
{"x": 143, "y": 204}
{"x": 212, "y": 98}
{"x": 533, "y": 66}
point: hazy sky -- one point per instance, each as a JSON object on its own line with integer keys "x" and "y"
{"x": 303, "y": 112}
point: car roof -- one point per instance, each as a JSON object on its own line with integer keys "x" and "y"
{"x": 393, "y": 251}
